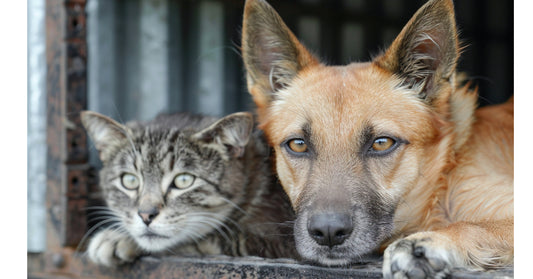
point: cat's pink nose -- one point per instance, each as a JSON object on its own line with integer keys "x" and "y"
{"x": 148, "y": 215}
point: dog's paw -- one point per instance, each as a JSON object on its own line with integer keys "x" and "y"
{"x": 422, "y": 255}
{"x": 111, "y": 248}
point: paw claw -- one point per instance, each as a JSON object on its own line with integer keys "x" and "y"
{"x": 395, "y": 267}
{"x": 419, "y": 252}
{"x": 416, "y": 273}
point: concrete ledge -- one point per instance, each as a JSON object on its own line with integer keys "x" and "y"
{"x": 76, "y": 266}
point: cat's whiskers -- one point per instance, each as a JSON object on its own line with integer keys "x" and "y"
{"x": 95, "y": 227}
{"x": 185, "y": 227}
{"x": 193, "y": 235}
{"x": 107, "y": 215}
{"x": 119, "y": 228}
{"x": 234, "y": 205}
{"x": 191, "y": 232}
{"x": 106, "y": 218}
{"x": 221, "y": 218}
{"x": 215, "y": 223}
{"x": 86, "y": 208}
{"x": 217, "y": 228}
{"x": 103, "y": 212}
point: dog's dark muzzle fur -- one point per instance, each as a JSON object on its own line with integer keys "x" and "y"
{"x": 341, "y": 227}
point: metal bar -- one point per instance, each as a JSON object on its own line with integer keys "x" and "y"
{"x": 210, "y": 94}
{"x": 54, "y": 135}
{"x": 67, "y": 158}
{"x": 36, "y": 127}
{"x": 153, "y": 59}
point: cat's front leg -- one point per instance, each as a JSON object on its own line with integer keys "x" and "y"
{"x": 111, "y": 248}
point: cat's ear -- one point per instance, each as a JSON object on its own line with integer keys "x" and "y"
{"x": 425, "y": 53}
{"x": 272, "y": 55}
{"x": 106, "y": 133}
{"x": 232, "y": 132}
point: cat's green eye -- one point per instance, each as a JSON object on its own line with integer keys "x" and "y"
{"x": 130, "y": 181}
{"x": 184, "y": 180}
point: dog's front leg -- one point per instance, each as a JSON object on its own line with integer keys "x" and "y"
{"x": 434, "y": 254}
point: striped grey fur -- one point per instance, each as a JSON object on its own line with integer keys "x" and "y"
{"x": 233, "y": 205}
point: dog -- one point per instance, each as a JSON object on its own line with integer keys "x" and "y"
{"x": 390, "y": 155}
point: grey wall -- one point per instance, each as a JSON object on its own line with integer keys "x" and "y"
{"x": 141, "y": 63}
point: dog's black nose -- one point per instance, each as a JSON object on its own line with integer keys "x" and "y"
{"x": 330, "y": 228}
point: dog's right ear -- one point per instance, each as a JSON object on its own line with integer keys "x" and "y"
{"x": 106, "y": 133}
{"x": 272, "y": 54}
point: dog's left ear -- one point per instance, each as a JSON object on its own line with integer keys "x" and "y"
{"x": 426, "y": 51}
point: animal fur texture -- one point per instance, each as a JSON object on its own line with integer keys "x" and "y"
{"x": 389, "y": 154}
{"x": 186, "y": 184}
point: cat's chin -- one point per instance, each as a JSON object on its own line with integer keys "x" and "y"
{"x": 154, "y": 243}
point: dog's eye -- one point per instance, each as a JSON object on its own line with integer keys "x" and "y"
{"x": 297, "y": 145}
{"x": 382, "y": 144}
{"x": 130, "y": 181}
{"x": 184, "y": 180}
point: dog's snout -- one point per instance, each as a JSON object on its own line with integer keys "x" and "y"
{"x": 330, "y": 229}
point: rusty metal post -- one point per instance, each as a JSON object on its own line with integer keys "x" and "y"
{"x": 67, "y": 158}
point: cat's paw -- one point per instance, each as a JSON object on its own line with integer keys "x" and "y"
{"x": 111, "y": 248}
{"x": 421, "y": 255}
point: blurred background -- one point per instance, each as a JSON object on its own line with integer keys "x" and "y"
{"x": 145, "y": 57}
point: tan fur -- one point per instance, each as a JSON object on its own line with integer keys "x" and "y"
{"x": 450, "y": 183}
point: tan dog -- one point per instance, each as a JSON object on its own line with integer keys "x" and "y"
{"x": 386, "y": 154}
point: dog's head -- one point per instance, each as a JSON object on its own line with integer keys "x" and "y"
{"x": 351, "y": 142}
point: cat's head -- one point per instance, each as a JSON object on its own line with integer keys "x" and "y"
{"x": 172, "y": 180}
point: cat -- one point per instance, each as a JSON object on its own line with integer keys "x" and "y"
{"x": 187, "y": 184}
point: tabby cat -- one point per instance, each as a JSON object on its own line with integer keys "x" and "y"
{"x": 190, "y": 185}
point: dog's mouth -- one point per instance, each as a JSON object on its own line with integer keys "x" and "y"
{"x": 337, "y": 240}
{"x": 335, "y": 256}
